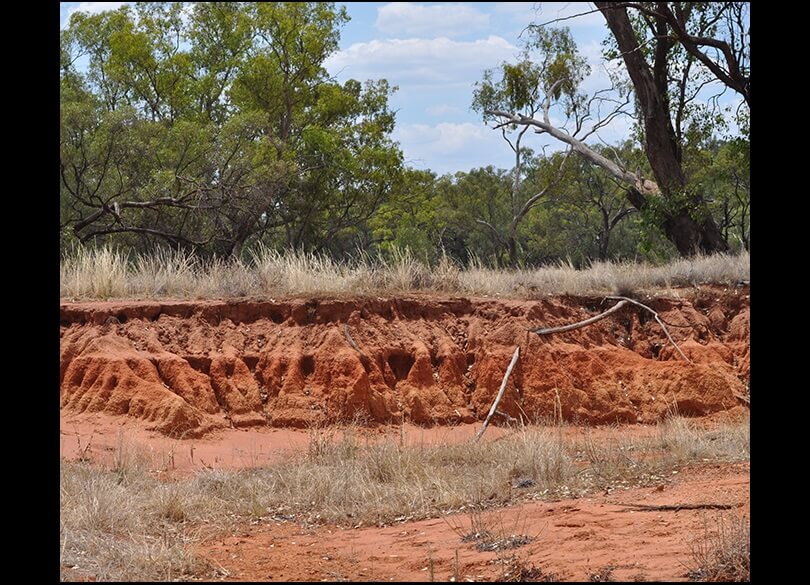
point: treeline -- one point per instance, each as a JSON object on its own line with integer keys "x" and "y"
{"x": 214, "y": 127}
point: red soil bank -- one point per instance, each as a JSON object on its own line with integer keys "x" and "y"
{"x": 189, "y": 367}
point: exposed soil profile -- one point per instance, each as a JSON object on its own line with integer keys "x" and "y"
{"x": 190, "y": 367}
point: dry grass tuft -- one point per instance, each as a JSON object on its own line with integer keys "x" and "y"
{"x": 516, "y": 569}
{"x": 104, "y": 273}
{"x": 96, "y": 273}
{"x": 724, "y": 554}
{"x": 685, "y": 441}
{"x": 120, "y": 522}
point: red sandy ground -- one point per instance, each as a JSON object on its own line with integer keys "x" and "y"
{"x": 220, "y": 383}
{"x": 574, "y": 539}
{"x": 97, "y": 436}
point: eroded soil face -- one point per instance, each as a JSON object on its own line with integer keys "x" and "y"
{"x": 187, "y": 368}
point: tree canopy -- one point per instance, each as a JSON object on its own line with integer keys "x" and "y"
{"x": 670, "y": 53}
{"x": 215, "y": 126}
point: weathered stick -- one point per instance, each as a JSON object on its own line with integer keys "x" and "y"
{"x": 676, "y": 507}
{"x": 500, "y": 393}
{"x": 622, "y": 302}
{"x": 657, "y": 318}
{"x": 506, "y": 416}
{"x": 572, "y": 326}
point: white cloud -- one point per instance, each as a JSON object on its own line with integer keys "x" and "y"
{"x": 447, "y": 147}
{"x": 91, "y": 8}
{"x": 409, "y": 19}
{"x": 420, "y": 63}
{"x": 444, "y": 138}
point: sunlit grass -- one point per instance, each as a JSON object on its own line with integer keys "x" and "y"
{"x": 105, "y": 273}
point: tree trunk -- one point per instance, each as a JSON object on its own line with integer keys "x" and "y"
{"x": 660, "y": 145}
{"x": 512, "y": 252}
{"x": 604, "y": 238}
{"x": 236, "y": 249}
{"x": 691, "y": 237}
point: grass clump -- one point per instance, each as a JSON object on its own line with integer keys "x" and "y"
{"x": 723, "y": 554}
{"x": 109, "y": 273}
{"x": 123, "y": 520}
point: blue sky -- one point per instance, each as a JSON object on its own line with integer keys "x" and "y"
{"x": 435, "y": 52}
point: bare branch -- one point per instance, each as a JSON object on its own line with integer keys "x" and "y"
{"x": 532, "y": 200}
{"x": 547, "y": 103}
{"x": 490, "y": 226}
{"x": 139, "y": 230}
{"x": 562, "y": 18}
{"x": 622, "y": 302}
{"x": 500, "y": 394}
{"x": 657, "y": 318}
{"x": 643, "y": 186}
{"x": 580, "y": 324}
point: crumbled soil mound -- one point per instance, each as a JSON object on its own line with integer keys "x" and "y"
{"x": 189, "y": 367}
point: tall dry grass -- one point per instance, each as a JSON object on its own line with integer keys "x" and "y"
{"x": 96, "y": 273}
{"x": 722, "y": 554}
{"x": 107, "y": 273}
{"x": 119, "y": 522}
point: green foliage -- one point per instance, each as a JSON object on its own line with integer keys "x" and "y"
{"x": 213, "y": 125}
{"x": 549, "y": 67}
{"x": 562, "y": 67}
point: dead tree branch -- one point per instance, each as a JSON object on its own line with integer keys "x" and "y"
{"x": 500, "y": 394}
{"x": 572, "y": 326}
{"x": 643, "y": 186}
{"x": 622, "y": 302}
{"x": 657, "y": 318}
{"x": 676, "y": 507}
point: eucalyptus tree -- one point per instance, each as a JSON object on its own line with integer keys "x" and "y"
{"x": 672, "y": 52}
{"x": 211, "y": 125}
{"x": 530, "y": 86}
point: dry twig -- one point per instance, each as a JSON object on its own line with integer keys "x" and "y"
{"x": 676, "y": 507}
{"x": 622, "y": 302}
{"x": 500, "y": 393}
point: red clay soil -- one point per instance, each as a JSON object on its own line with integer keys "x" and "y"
{"x": 100, "y": 437}
{"x": 573, "y": 540}
{"x": 191, "y": 367}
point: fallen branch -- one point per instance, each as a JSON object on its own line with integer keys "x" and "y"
{"x": 572, "y": 326}
{"x": 658, "y": 319}
{"x": 676, "y": 507}
{"x": 510, "y": 419}
{"x": 500, "y": 393}
{"x": 622, "y": 302}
